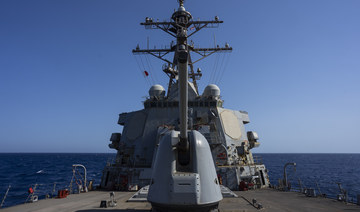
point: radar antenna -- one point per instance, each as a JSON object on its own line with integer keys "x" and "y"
{"x": 179, "y": 25}
{"x": 181, "y": 2}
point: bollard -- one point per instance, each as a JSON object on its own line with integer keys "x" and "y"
{"x": 310, "y": 192}
{"x": 112, "y": 202}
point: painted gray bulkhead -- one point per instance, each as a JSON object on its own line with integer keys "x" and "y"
{"x": 223, "y": 128}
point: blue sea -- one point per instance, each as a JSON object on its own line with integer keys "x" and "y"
{"x": 23, "y": 170}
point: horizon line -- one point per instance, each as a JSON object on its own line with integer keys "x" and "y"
{"x": 116, "y": 153}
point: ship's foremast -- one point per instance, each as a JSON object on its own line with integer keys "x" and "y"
{"x": 178, "y": 27}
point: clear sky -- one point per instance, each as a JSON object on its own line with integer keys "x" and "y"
{"x": 67, "y": 71}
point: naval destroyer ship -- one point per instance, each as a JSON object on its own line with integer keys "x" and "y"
{"x": 184, "y": 151}
{"x": 223, "y": 129}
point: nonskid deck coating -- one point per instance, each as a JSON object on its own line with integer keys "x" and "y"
{"x": 271, "y": 200}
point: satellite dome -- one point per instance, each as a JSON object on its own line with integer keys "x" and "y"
{"x": 181, "y": 8}
{"x": 157, "y": 91}
{"x": 211, "y": 90}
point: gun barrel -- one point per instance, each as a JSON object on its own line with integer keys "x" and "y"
{"x": 183, "y": 94}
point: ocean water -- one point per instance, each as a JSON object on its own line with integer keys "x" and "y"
{"x": 22, "y": 171}
{"x": 317, "y": 171}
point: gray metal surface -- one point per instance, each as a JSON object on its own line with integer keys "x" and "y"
{"x": 140, "y": 195}
{"x": 183, "y": 102}
{"x": 187, "y": 185}
{"x": 271, "y": 200}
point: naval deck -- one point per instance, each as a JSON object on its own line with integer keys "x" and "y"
{"x": 271, "y": 200}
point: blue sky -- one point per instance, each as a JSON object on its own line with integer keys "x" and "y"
{"x": 67, "y": 71}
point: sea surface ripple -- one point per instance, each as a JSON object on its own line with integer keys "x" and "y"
{"x": 23, "y": 170}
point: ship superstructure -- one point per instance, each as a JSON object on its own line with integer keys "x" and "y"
{"x": 224, "y": 129}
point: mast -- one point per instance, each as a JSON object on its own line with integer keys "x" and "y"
{"x": 181, "y": 68}
{"x": 178, "y": 27}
